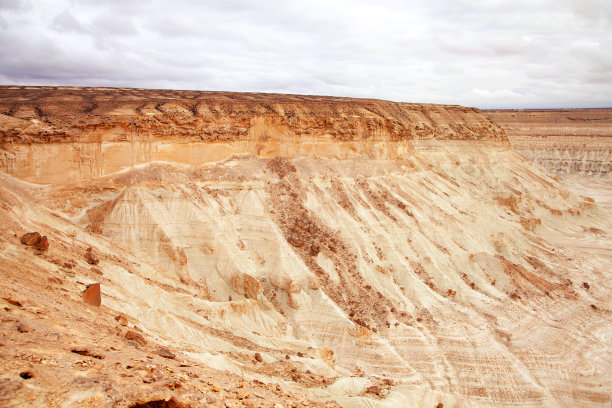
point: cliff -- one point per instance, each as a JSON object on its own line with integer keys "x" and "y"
{"x": 48, "y": 134}
{"x": 305, "y": 250}
{"x": 564, "y": 141}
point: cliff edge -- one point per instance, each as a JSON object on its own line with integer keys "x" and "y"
{"x": 49, "y": 134}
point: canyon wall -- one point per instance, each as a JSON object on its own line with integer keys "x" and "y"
{"x": 564, "y": 141}
{"x": 49, "y": 134}
{"x": 311, "y": 249}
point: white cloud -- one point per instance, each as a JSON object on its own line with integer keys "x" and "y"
{"x": 65, "y": 21}
{"x": 496, "y": 53}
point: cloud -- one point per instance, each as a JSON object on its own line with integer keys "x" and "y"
{"x": 481, "y": 53}
{"x": 65, "y": 21}
{"x": 14, "y": 5}
{"x": 116, "y": 25}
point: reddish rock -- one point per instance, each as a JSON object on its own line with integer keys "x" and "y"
{"x": 30, "y": 238}
{"x": 42, "y": 244}
{"x": 91, "y": 258}
{"x": 164, "y": 352}
{"x": 84, "y": 351}
{"x": 137, "y": 337}
{"x": 96, "y": 270}
{"x": 122, "y": 320}
{"x": 374, "y": 389}
{"x": 91, "y": 294}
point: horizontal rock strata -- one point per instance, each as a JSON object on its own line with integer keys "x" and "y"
{"x": 371, "y": 253}
{"x": 564, "y": 141}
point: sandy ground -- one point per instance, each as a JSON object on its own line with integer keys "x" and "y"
{"x": 599, "y": 188}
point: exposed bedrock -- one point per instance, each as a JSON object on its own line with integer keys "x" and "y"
{"x": 371, "y": 253}
{"x": 564, "y": 141}
{"x": 51, "y": 134}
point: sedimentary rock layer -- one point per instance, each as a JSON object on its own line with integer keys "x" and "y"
{"x": 377, "y": 267}
{"x": 49, "y": 134}
{"x": 563, "y": 141}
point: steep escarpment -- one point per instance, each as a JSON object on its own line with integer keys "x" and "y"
{"x": 48, "y": 134}
{"x": 395, "y": 269}
{"x": 564, "y": 141}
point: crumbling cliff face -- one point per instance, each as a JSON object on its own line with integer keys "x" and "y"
{"x": 308, "y": 249}
{"x": 48, "y": 134}
{"x": 564, "y": 141}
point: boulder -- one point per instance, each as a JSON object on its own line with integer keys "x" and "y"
{"x": 91, "y": 294}
{"x": 137, "y": 337}
{"x": 42, "y": 244}
{"x": 164, "y": 352}
{"x": 30, "y": 238}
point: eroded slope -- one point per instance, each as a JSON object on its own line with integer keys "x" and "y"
{"x": 451, "y": 271}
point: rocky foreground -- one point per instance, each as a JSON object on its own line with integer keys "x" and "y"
{"x": 275, "y": 250}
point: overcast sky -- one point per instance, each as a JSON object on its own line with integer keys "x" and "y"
{"x": 484, "y": 53}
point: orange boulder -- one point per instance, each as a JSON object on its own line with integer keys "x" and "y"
{"x": 92, "y": 295}
{"x": 42, "y": 244}
{"x": 30, "y": 238}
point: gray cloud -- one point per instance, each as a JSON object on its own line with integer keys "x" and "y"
{"x": 485, "y": 53}
{"x": 14, "y": 5}
{"x": 65, "y": 21}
